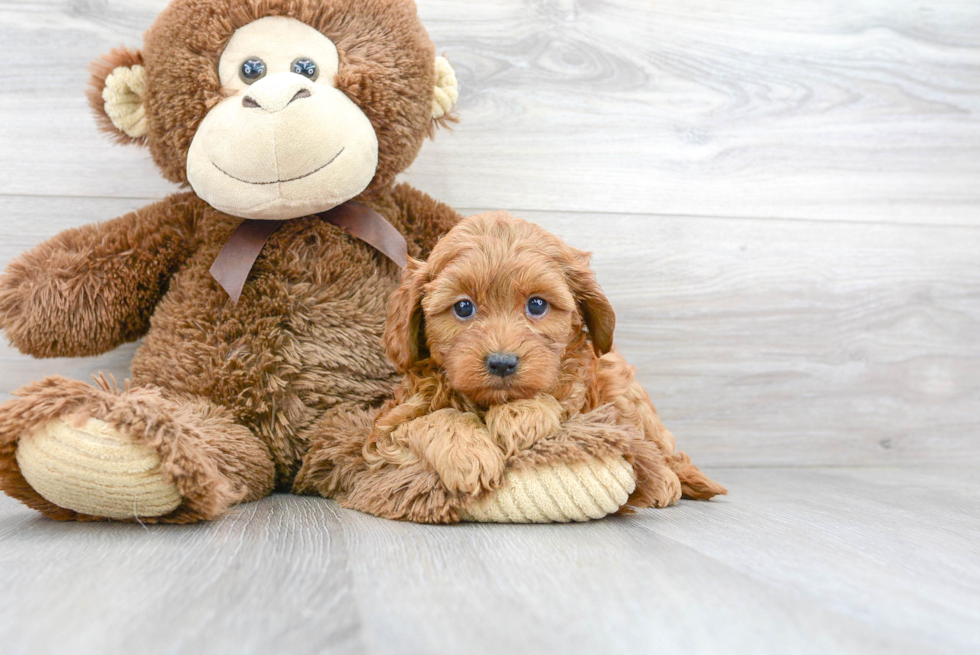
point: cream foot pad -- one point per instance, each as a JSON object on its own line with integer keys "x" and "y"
{"x": 95, "y": 470}
{"x": 558, "y": 494}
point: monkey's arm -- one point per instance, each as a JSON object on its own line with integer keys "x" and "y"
{"x": 87, "y": 290}
{"x": 425, "y": 218}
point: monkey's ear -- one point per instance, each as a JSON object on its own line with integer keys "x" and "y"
{"x": 116, "y": 93}
{"x": 404, "y": 337}
{"x": 600, "y": 319}
{"x": 446, "y": 93}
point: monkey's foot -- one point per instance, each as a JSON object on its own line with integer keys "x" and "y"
{"x": 96, "y": 470}
{"x": 559, "y": 493}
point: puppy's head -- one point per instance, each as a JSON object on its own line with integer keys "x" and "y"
{"x": 496, "y": 305}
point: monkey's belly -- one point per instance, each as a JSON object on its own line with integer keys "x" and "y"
{"x": 292, "y": 348}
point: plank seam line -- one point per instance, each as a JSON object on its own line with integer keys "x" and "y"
{"x": 466, "y": 211}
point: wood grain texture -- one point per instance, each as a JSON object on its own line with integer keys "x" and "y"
{"x": 805, "y": 343}
{"x": 762, "y": 342}
{"x": 822, "y": 109}
{"x": 862, "y": 110}
{"x": 816, "y": 561}
{"x": 680, "y": 140}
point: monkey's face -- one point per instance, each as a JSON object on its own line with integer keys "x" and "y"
{"x": 285, "y": 141}
{"x": 281, "y": 108}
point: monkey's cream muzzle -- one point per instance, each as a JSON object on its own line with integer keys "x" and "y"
{"x": 286, "y": 148}
{"x": 284, "y": 145}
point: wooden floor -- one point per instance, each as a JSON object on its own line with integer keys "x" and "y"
{"x": 836, "y": 560}
{"x": 783, "y": 199}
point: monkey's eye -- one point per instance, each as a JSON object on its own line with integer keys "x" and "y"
{"x": 252, "y": 69}
{"x": 306, "y": 68}
{"x": 464, "y": 309}
{"x": 537, "y": 307}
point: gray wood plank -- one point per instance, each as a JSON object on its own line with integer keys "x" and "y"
{"x": 832, "y": 566}
{"x": 808, "y": 109}
{"x": 269, "y": 577}
{"x": 796, "y": 342}
{"x": 802, "y": 561}
{"x": 828, "y": 110}
{"x": 897, "y": 548}
{"x": 761, "y": 341}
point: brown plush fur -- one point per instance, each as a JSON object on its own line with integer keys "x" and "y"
{"x": 571, "y": 393}
{"x": 230, "y": 396}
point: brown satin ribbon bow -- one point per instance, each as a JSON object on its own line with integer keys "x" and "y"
{"x": 237, "y": 257}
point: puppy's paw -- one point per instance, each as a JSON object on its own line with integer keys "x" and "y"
{"x": 462, "y": 452}
{"x": 662, "y": 489}
{"x": 519, "y": 424}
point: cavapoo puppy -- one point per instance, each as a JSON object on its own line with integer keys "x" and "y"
{"x": 505, "y": 342}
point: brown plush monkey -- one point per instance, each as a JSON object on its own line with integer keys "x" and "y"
{"x": 278, "y": 110}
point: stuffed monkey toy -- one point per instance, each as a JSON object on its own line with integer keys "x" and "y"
{"x": 260, "y": 291}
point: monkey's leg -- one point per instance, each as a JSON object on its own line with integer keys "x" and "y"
{"x": 77, "y": 452}
{"x": 582, "y": 472}
{"x": 585, "y": 471}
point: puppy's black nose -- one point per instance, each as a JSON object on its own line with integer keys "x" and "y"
{"x": 502, "y": 364}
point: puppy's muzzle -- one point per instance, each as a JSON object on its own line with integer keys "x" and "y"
{"x": 502, "y": 364}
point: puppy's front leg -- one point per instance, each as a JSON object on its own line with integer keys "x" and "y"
{"x": 458, "y": 446}
{"x": 520, "y": 424}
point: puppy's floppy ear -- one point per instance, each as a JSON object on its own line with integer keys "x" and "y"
{"x": 404, "y": 337}
{"x": 600, "y": 319}
{"x": 117, "y": 94}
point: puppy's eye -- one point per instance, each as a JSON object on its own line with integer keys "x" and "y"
{"x": 537, "y": 307}
{"x": 464, "y": 309}
{"x": 306, "y": 67}
{"x": 252, "y": 70}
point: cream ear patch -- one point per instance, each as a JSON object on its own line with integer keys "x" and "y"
{"x": 447, "y": 89}
{"x": 123, "y": 96}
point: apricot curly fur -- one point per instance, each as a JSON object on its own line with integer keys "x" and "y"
{"x": 577, "y": 400}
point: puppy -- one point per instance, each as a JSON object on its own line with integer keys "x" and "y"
{"x": 505, "y": 342}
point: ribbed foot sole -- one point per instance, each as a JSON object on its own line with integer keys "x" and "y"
{"x": 95, "y": 470}
{"x": 558, "y": 494}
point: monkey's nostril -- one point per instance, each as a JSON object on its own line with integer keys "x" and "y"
{"x": 302, "y": 93}
{"x": 251, "y": 103}
{"x": 502, "y": 364}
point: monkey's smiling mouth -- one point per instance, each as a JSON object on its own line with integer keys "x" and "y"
{"x": 292, "y": 179}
